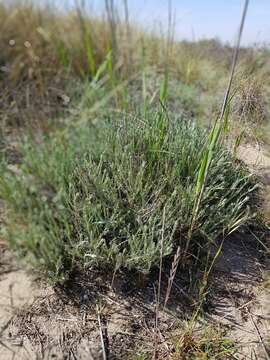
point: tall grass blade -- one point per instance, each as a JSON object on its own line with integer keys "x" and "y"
{"x": 110, "y": 10}
{"x": 86, "y": 37}
{"x": 89, "y": 50}
{"x": 129, "y": 49}
{"x": 144, "y": 80}
{"x": 215, "y": 134}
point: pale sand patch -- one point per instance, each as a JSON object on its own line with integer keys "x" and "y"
{"x": 254, "y": 156}
{"x": 16, "y": 291}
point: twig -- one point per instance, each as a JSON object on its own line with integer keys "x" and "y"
{"x": 40, "y": 342}
{"x": 159, "y": 282}
{"x": 260, "y": 337}
{"x": 5, "y": 326}
{"x": 10, "y": 288}
{"x": 7, "y": 347}
{"x": 104, "y": 353}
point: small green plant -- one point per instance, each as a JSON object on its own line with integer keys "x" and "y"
{"x": 209, "y": 343}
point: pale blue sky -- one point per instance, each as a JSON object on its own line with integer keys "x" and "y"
{"x": 201, "y": 18}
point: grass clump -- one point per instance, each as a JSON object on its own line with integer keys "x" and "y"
{"x": 96, "y": 195}
{"x": 250, "y": 101}
{"x": 210, "y": 343}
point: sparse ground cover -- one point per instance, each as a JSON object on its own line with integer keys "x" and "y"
{"x": 120, "y": 198}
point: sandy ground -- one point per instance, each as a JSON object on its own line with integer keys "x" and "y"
{"x": 240, "y": 300}
{"x": 46, "y": 323}
{"x": 16, "y": 291}
{"x": 256, "y": 157}
{"x": 242, "y": 297}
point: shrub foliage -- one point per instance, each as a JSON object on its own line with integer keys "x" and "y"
{"x": 96, "y": 195}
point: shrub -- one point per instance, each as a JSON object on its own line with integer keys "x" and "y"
{"x": 96, "y": 195}
{"x": 250, "y": 104}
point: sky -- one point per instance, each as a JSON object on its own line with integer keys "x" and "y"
{"x": 196, "y": 19}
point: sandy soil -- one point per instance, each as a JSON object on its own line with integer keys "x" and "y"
{"x": 15, "y": 292}
{"x": 240, "y": 300}
{"x": 67, "y": 323}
